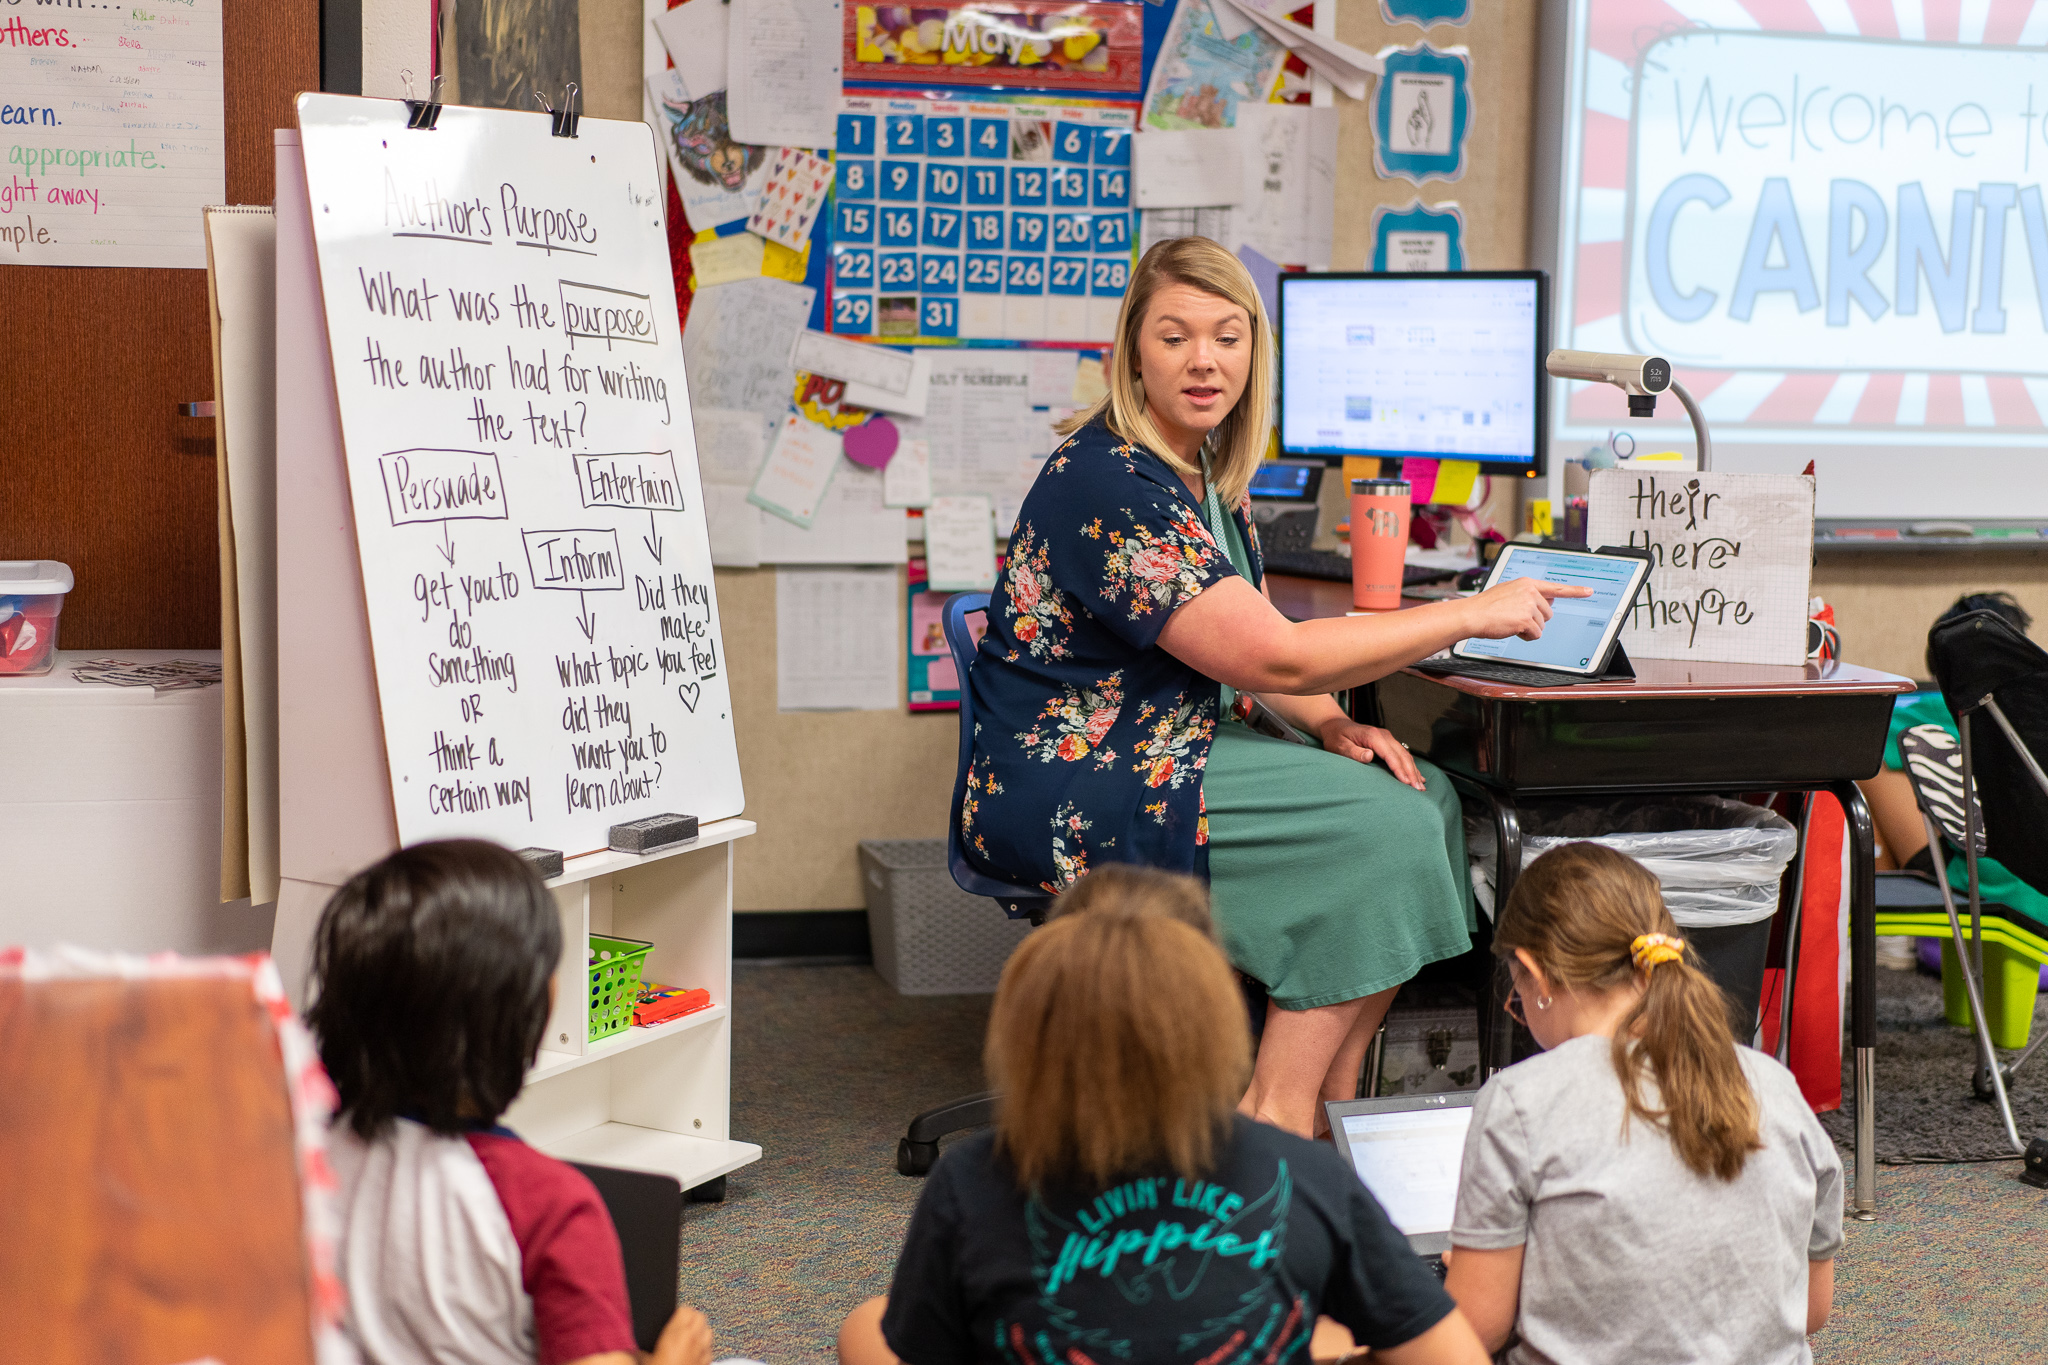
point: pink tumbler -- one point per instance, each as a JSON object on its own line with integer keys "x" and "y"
{"x": 1379, "y": 542}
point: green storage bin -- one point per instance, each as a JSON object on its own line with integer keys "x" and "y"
{"x": 614, "y": 983}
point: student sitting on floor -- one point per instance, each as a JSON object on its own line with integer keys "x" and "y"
{"x": 1644, "y": 1190}
{"x": 434, "y": 974}
{"x": 1121, "y": 1209}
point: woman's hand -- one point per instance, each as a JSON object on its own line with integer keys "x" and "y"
{"x": 1342, "y": 735}
{"x": 1518, "y": 607}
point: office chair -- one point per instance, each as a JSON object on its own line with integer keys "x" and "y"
{"x": 919, "y": 1147}
{"x": 1985, "y": 794}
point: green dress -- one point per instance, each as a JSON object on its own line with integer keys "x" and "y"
{"x": 1329, "y": 878}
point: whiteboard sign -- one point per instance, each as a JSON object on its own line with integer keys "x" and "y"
{"x": 1730, "y": 561}
{"x": 523, "y": 472}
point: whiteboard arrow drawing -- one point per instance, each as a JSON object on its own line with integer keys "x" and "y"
{"x": 653, "y": 546}
{"x": 447, "y": 545}
{"x": 586, "y": 619}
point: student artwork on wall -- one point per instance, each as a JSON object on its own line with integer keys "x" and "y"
{"x": 1422, "y": 113}
{"x": 998, "y": 217}
{"x": 720, "y": 180}
{"x": 1427, "y": 13}
{"x": 1040, "y": 44}
{"x": 934, "y": 681}
{"x": 1418, "y": 237}
{"x": 1206, "y": 69}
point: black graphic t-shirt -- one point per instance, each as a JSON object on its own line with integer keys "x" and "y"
{"x": 1228, "y": 1270}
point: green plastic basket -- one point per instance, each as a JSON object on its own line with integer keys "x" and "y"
{"x": 614, "y": 983}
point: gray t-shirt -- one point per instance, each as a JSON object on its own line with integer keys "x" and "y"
{"x": 1629, "y": 1256}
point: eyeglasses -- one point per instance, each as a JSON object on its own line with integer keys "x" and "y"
{"x": 1514, "y": 1008}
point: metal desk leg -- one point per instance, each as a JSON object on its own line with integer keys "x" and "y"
{"x": 1862, "y": 993}
{"x": 1496, "y": 1029}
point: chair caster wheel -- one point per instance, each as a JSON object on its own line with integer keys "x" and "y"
{"x": 1980, "y": 1085}
{"x": 711, "y": 1191}
{"x": 915, "y": 1158}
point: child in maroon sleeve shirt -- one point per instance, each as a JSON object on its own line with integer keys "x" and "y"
{"x": 434, "y": 972}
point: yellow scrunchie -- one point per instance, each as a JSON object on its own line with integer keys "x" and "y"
{"x": 1650, "y": 949}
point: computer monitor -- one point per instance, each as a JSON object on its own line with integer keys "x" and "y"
{"x": 1447, "y": 366}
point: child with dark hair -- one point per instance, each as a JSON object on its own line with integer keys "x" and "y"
{"x": 434, "y": 972}
{"x": 1902, "y": 838}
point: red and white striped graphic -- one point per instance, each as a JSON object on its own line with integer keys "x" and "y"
{"x": 1595, "y": 278}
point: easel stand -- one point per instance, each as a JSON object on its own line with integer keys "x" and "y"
{"x": 652, "y": 1099}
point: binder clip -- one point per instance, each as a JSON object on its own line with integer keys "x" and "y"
{"x": 563, "y": 121}
{"x": 422, "y": 115}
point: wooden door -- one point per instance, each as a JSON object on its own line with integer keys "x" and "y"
{"x": 97, "y": 469}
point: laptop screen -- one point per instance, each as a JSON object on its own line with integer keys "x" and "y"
{"x": 1576, "y": 636}
{"x": 1409, "y": 1159}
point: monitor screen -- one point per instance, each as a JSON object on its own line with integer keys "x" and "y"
{"x": 1284, "y": 482}
{"x": 1577, "y": 631}
{"x": 1409, "y": 1160}
{"x": 1443, "y": 366}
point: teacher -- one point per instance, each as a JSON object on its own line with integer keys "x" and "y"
{"x": 1105, "y": 692}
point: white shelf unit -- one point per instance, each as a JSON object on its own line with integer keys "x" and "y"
{"x": 649, "y": 1099}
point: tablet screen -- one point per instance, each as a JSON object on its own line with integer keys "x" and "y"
{"x": 1577, "y": 634}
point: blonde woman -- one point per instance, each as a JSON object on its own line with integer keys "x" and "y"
{"x": 1120, "y": 1211}
{"x": 1645, "y": 1191}
{"x": 1131, "y": 608}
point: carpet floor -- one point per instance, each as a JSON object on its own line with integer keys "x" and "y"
{"x": 1925, "y": 1110}
{"x": 829, "y": 1064}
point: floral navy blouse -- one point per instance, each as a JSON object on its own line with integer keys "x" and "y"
{"x": 1089, "y": 739}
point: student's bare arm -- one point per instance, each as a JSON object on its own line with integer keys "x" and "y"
{"x": 1820, "y": 1294}
{"x": 1450, "y": 1342}
{"x": 685, "y": 1341}
{"x": 1488, "y": 1288}
{"x": 1233, "y": 634}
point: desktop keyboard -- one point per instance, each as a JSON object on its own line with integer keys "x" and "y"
{"x": 1497, "y": 672}
{"x": 1337, "y": 567}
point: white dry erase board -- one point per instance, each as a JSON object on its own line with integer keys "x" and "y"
{"x": 509, "y": 371}
{"x": 1731, "y": 559}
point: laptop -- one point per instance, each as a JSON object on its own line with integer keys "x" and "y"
{"x": 1407, "y": 1150}
{"x": 1578, "y": 642}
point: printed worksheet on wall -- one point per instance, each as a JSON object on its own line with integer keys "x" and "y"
{"x": 523, "y": 469}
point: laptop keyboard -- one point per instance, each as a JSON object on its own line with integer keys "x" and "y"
{"x": 1329, "y": 564}
{"x": 1498, "y": 672}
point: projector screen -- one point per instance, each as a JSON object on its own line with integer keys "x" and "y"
{"x": 1828, "y": 215}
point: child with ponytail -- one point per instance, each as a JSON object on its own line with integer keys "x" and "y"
{"x": 1645, "y": 1190}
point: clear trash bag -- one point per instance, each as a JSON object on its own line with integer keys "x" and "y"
{"x": 1718, "y": 861}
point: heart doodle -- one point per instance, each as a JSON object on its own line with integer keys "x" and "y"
{"x": 689, "y": 692}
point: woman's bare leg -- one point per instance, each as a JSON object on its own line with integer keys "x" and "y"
{"x": 860, "y": 1336}
{"x": 1341, "y": 1081}
{"x": 1300, "y": 1052}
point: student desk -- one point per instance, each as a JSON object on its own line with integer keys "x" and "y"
{"x": 1679, "y": 727}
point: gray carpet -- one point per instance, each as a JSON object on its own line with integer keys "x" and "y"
{"x": 1925, "y": 1111}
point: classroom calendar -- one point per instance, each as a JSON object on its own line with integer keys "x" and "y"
{"x": 997, "y": 217}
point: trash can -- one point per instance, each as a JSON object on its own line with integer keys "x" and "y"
{"x": 1718, "y": 861}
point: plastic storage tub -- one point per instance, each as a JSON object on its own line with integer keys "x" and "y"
{"x": 31, "y": 599}
{"x": 929, "y": 936}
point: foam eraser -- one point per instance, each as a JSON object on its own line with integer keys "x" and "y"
{"x": 546, "y": 861}
{"x": 654, "y": 832}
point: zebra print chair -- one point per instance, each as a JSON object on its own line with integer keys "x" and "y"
{"x": 1984, "y": 793}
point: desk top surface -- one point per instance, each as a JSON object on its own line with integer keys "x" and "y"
{"x": 1304, "y": 599}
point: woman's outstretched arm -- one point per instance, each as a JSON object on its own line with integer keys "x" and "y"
{"x": 1233, "y": 634}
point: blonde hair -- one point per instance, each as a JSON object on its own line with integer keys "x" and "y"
{"x": 1240, "y": 442}
{"x": 1139, "y": 891}
{"x": 1118, "y": 1043}
{"x": 1578, "y": 911}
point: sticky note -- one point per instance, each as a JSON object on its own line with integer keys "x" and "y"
{"x": 1539, "y": 518}
{"x": 1360, "y": 467}
{"x": 1454, "y": 480}
{"x": 1421, "y": 476}
{"x": 778, "y": 262}
{"x": 722, "y": 260}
